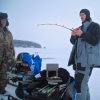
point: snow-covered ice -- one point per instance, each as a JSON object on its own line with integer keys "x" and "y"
{"x": 61, "y": 56}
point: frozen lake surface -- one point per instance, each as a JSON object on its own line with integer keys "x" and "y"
{"x": 61, "y": 56}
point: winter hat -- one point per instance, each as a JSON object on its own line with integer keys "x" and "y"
{"x": 3, "y": 15}
{"x": 87, "y": 13}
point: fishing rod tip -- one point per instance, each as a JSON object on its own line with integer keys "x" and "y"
{"x": 38, "y": 24}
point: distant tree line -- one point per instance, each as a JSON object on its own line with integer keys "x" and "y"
{"x": 22, "y": 43}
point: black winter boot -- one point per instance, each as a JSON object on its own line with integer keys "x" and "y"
{"x": 3, "y": 91}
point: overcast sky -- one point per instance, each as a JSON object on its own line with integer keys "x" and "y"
{"x": 24, "y": 15}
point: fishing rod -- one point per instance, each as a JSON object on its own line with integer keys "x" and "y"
{"x": 57, "y": 25}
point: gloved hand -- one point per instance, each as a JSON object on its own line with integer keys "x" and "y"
{"x": 11, "y": 63}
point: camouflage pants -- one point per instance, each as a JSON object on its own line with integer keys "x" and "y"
{"x": 3, "y": 76}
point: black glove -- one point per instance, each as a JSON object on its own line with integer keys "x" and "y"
{"x": 11, "y": 63}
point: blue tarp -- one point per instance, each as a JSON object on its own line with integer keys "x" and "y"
{"x": 34, "y": 62}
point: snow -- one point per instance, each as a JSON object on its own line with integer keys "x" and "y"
{"x": 61, "y": 56}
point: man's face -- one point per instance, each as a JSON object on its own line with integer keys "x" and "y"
{"x": 4, "y": 22}
{"x": 83, "y": 17}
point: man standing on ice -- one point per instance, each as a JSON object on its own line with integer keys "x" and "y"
{"x": 85, "y": 53}
{"x": 7, "y": 52}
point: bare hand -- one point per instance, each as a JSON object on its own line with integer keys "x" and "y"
{"x": 79, "y": 32}
{"x": 74, "y": 32}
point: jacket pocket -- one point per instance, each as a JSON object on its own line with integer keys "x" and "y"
{"x": 93, "y": 55}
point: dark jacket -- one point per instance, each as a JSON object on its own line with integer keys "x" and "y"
{"x": 90, "y": 39}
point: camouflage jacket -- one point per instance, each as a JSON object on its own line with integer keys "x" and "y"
{"x": 7, "y": 51}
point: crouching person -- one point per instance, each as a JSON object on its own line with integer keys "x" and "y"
{"x": 28, "y": 63}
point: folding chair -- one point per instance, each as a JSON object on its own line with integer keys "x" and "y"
{"x": 55, "y": 79}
